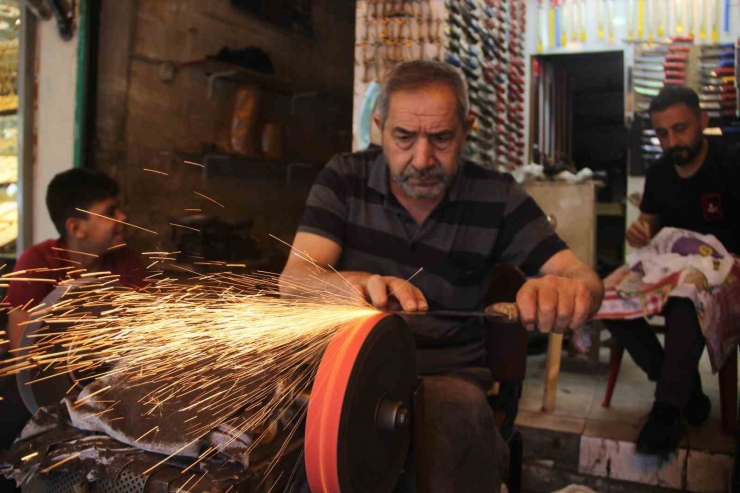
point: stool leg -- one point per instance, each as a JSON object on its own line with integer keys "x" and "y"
{"x": 728, "y": 393}
{"x": 617, "y": 352}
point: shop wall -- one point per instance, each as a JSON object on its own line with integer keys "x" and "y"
{"x": 145, "y": 120}
{"x": 56, "y": 86}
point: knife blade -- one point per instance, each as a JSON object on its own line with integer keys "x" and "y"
{"x": 717, "y": 81}
{"x": 659, "y": 84}
{"x": 718, "y": 72}
{"x": 659, "y": 67}
{"x": 718, "y": 54}
{"x": 728, "y": 96}
{"x": 721, "y": 114}
{"x": 717, "y": 64}
{"x": 665, "y": 49}
{"x": 646, "y": 92}
{"x": 715, "y": 89}
{"x": 721, "y": 46}
{"x": 504, "y": 312}
{"x": 718, "y": 105}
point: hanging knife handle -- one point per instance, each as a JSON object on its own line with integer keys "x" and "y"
{"x": 64, "y": 19}
{"x": 509, "y": 311}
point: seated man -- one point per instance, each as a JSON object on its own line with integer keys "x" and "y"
{"x": 378, "y": 216}
{"x": 91, "y": 235}
{"x": 693, "y": 186}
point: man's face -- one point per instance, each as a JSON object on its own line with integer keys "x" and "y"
{"x": 99, "y": 234}
{"x": 679, "y": 130}
{"x": 423, "y": 139}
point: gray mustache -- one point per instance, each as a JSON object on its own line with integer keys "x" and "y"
{"x": 422, "y": 174}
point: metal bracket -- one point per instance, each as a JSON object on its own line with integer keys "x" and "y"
{"x": 215, "y": 77}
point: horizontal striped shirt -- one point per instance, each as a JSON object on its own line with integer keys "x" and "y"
{"x": 485, "y": 218}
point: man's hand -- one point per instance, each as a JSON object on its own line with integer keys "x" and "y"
{"x": 554, "y": 303}
{"x": 377, "y": 289}
{"x": 639, "y": 234}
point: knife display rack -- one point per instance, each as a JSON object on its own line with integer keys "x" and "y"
{"x": 710, "y": 69}
{"x": 484, "y": 39}
{"x": 654, "y": 20}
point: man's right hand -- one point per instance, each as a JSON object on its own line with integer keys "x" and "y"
{"x": 371, "y": 287}
{"x": 378, "y": 289}
{"x": 639, "y": 234}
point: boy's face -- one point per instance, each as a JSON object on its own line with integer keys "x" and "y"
{"x": 97, "y": 234}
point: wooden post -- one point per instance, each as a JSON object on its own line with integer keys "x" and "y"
{"x": 554, "y": 352}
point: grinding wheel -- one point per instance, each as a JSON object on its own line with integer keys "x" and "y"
{"x": 358, "y": 426}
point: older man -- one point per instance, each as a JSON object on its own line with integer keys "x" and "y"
{"x": 378, "y": 216}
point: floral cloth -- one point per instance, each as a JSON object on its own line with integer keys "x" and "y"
{"x": 688, "y": 265}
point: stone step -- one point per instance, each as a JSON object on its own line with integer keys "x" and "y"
{"x": 556, "y": 459}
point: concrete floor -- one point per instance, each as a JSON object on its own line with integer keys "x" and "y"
{"x": 604, "y": 438}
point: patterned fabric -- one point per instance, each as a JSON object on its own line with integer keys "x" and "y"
{"x": 629, "y": 295}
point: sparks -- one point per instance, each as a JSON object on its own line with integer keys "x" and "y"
{"x": 207, "y": 351}
{"x": 185, "y": 227}
{"x": 208, "y": 198}
{"x": 117, "y": 221}
{"x": 74, "y": 251}
{"x": 63, "y": 461}
{"x": 155, "y": 171}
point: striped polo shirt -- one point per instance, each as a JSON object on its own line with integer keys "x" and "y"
{"x": 485, "y": 218}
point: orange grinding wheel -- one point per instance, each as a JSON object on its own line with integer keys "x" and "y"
{"x": 358, "y": 425}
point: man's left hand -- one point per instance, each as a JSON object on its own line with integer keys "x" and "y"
{"x": 554, "y": 303}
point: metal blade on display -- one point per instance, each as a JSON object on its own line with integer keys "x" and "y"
{"x": 646, "y": 92}
{"x": 723, "y": 55}
{"x": 709, "y": 89}
{"x": 715, "y": 105}
{"x": 719, "y": 72}
{"x": 654, "y": 67}
{"x": 658, "y": 84}
{"x": 650, "y": 75}
{"x": 727, "y": 96}
{"x": 717, "y": 64}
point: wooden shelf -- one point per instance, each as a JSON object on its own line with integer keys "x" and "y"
{"x": 253, "y": 168}
{"x": 216, "y": 70}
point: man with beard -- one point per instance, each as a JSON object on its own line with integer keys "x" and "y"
{"x": 379, "y": 216}
{"x": 693, "y": 186}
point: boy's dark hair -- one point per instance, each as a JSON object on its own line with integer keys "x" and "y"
{"x": 672, "y": 95}
{"x": 77, "y": 187}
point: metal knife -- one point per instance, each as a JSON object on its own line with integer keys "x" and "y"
{"x": 506, "y": 312}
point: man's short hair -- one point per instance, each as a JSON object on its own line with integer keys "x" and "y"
{"x": 673, "y": 95}
{"x": 422, "y": 73}
{"x": 77, "y": 187}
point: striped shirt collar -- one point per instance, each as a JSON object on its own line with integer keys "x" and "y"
{"x": 379, "y": 180}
